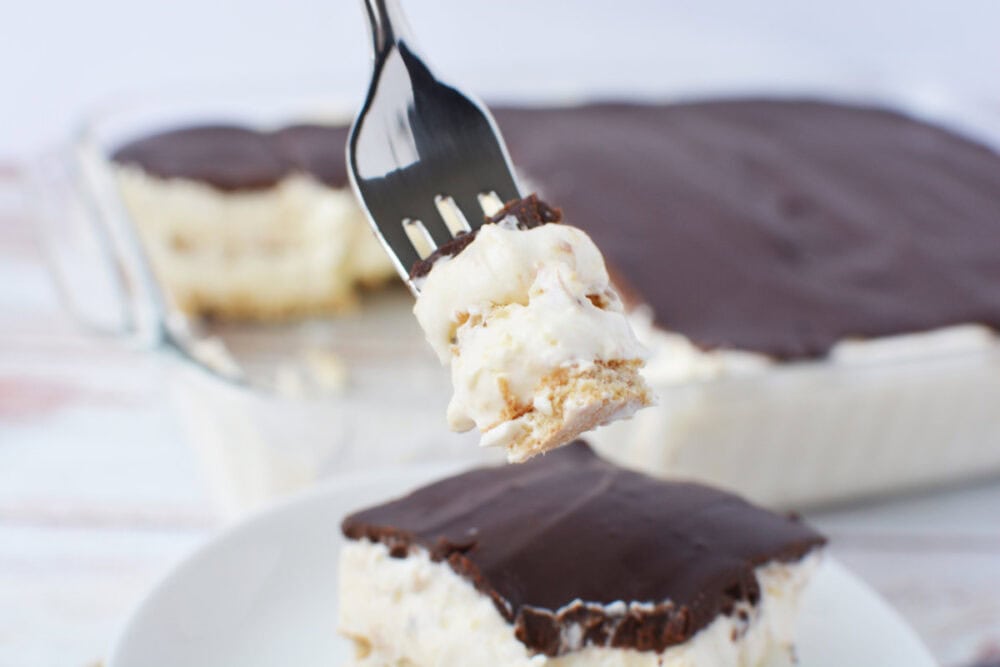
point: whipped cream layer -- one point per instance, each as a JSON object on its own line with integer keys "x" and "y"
{"x": 250, "y": 223}
{"x": 295, "y": 248}
{"x": 413, "y": 610}
{"x": 521, "y": 315}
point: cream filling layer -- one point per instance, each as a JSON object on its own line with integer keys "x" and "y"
{"x": 513, "y": 307}
{"x": 674, "y": 359}
{"x": 299, "y": 241}
{"x": 414, "y": 611}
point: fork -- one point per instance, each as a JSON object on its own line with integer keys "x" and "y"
{"x": 425, "y": 159}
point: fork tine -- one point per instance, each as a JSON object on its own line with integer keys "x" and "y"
{"x": 452, "y": 215}
{"x": 421, "y": 152}
{"x": 469, "y": 205}
{"x": 420, "y": 238}
{"x": 490, "y": 202}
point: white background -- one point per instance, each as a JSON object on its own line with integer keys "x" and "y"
{"x": 59, "y": 58}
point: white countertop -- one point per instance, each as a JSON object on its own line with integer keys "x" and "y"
{"x": 100, "y": 494}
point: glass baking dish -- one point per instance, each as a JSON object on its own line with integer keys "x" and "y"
{"x": 868, "y": 421}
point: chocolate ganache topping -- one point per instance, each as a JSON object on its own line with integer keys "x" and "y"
{"x": 315, "y": 149}
{"x": 569, "y": 526}
{"x": 780, "y": 227}
{"x": 232, "y": 158}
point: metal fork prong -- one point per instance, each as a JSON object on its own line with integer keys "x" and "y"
{"x": 452, "y": 215}
{"x": 420, "y": 238}
{"x": 415, "y": 138}
{"x": 490, "y": 202}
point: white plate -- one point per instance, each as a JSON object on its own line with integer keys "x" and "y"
{"x": 264, "y": 594}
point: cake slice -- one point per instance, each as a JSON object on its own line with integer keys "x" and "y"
{"x": 247, "y": 224}
{"x": 537, "y": 339}
{"x": 570, "y": 560}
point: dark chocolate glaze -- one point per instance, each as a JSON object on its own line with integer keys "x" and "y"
{"x": 529, "y": 212}
{"x": 315, "y": 149}
{"x": 223, "y": 156}
{"x": 569, "y": 525}
{"x": 236, "y": 158}
{"x": 775, "y": 226}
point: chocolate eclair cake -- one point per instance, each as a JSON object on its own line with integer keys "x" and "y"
{"x": 570, "y": 560}
{"x": 778, "y": 227}
{"x": 789, "y": 264}
{"x": 818, "y": 285}
{"x": 247, "y": 224}
{"x": 538, "y": 341}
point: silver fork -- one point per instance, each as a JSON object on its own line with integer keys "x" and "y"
{"x": 421, "y": 153}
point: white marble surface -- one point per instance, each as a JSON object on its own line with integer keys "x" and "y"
{"x": 100, "y": 494}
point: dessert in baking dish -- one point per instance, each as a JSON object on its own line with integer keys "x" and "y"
{"x": 779, "y": 228}
{"x": 757, "y": 234}
{"x": 570, "y": 560}
{"x": 816, "y": 282}
{"x": 538, "y": 342}
{"x": 245, "y": 224}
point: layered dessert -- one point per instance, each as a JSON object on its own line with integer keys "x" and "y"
{"x": 815, "y": 282}
{"x": 539, "y": 346}
{"x": 570, "y": 560}
{"x": 778, "y": 228}
{"x": 813, "y": 223}
{"x": 247, "y": 224}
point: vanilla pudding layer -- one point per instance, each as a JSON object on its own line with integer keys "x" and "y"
{"x": 297, "y": 248}
{"x": 414, "y": 611}
{"x": 538, "y": 342}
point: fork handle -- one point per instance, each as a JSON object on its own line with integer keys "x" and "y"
{"x": 388, "y": 25}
